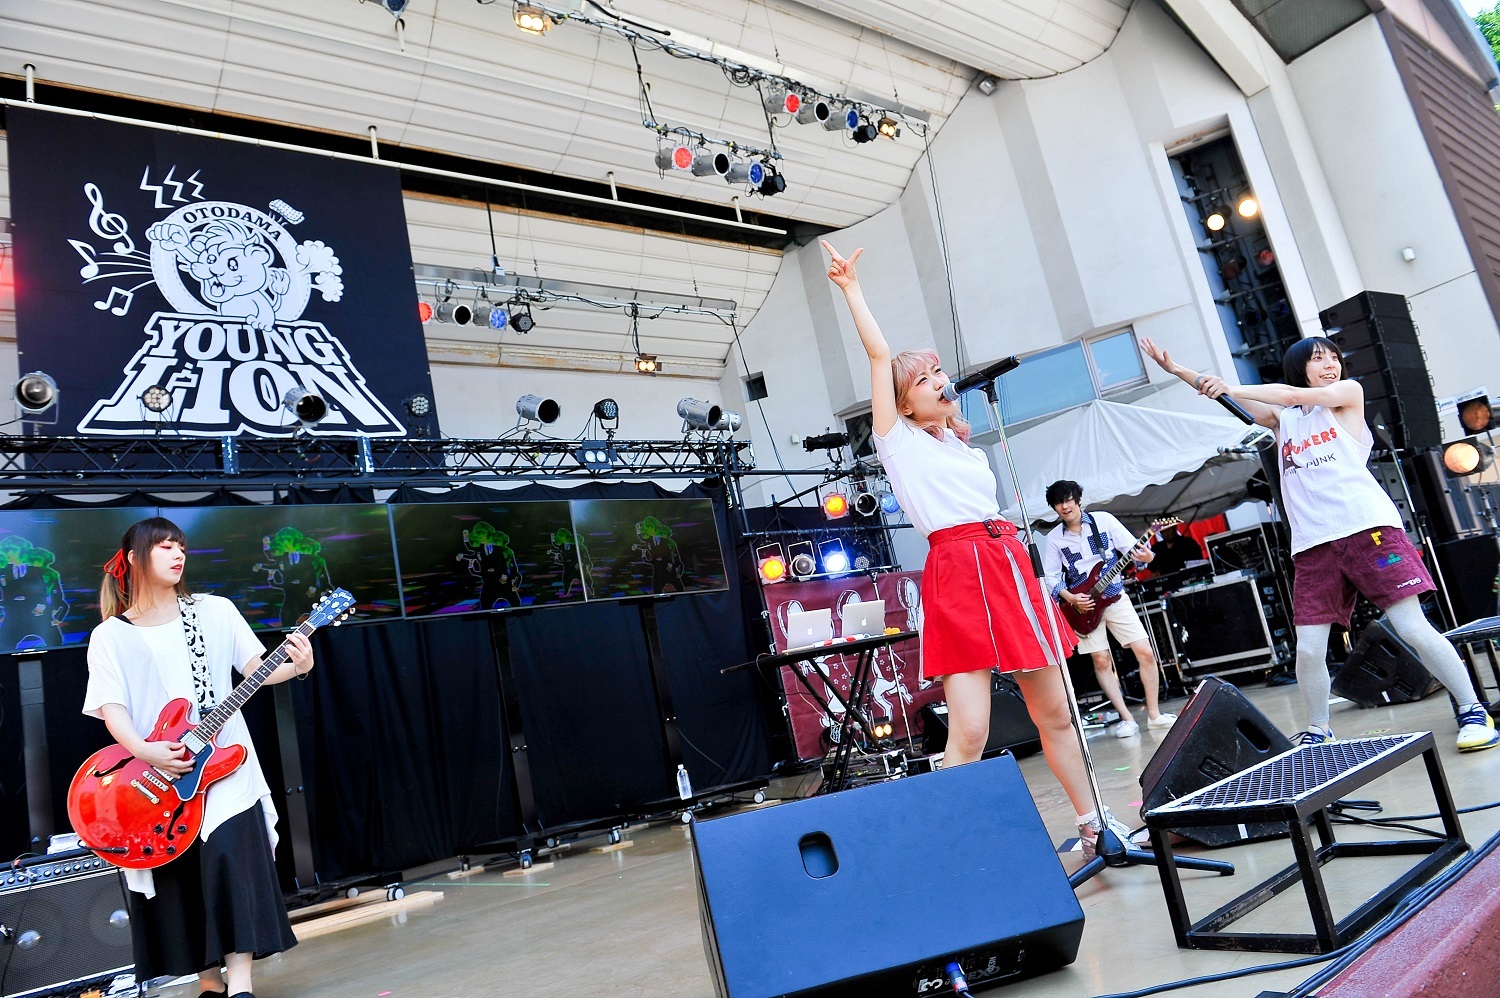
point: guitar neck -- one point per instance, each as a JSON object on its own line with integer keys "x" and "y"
{"x": 209, "y": 726}
{"x": 1107, "y": 579}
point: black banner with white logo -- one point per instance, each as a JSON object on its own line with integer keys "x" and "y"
{"x": 224, "y": 273}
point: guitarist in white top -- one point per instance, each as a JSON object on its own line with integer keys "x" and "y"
{"x": 1073, "y": 548}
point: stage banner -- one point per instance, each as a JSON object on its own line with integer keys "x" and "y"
{"x": 898, "y": 690}
{"x": 223, "y": 272}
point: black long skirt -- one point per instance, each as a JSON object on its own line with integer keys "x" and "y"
{"x": 220, "y": 896}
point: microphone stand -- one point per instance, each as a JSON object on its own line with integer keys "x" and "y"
{"x": 1109, "y": 849}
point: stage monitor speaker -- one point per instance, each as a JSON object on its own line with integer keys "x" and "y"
{"x": 1381, "y": 351}
{"x": 1217, "y": 734}
{"x": 1382, "y": 669}
{"x": 1011, "y": 729}
{"x": 67, "y": 923}
{"x": 816, "y": 896}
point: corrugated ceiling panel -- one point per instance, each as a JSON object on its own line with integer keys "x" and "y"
{"x": 472, "y": 84}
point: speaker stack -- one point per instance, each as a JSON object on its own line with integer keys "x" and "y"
{"x": 1218, "y": 734}
{"x": 65, "y": 923}
{"x": 1379, "y": 342}
{"x": 814, "y": 897}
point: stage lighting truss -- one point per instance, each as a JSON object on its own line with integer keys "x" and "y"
{"x": 770, "y": 562}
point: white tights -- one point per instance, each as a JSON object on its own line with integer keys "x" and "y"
{"x": 1438, "y": 656}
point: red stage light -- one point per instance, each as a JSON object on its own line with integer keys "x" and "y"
{"x": 682, "y": 158}
{"x": 424, "y": 312}
{"x": 835, "y": 505}
{"x": 793, "y": 103}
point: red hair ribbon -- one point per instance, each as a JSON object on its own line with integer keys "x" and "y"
{"x": 116, "y": 566}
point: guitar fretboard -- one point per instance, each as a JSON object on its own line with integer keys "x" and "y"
{"x": 209, "y": 726}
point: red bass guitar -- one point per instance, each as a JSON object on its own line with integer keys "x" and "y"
{"x": 136, "y": 816}
{"x": 1087, "y": 621}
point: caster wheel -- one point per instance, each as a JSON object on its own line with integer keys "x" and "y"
{"x": 395, "y": 893}
{"x": 760, "y": 797}
{"x": 525, "y": 860}
{"x": 352, "y": 893}
{"x": 614, "y": 836}
{"x": 687, "y": 817}
{"x": 552, "y": 843}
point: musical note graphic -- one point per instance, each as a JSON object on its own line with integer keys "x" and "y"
{"x": 109, "y": 303}
{"x": 90, "y": 269}
{"x": 108, "y": 224}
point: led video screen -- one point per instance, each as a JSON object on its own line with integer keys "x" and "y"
{"x": 467, "y": 557}
{"x": 648, "y": 547}
{"x": 275, "y": 562}
{"x": 51, "y": 563}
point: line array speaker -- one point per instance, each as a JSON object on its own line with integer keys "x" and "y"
{"x": 1379, "y": 342}
{"x": 66, "y": 922}
{"x": 814, "y": 897}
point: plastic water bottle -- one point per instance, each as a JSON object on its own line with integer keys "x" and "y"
{"x": 684, "y": 783}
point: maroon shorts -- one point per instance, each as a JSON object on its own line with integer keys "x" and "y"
{"x": 1382, "y": 564}
{"x": 982, "y": 608}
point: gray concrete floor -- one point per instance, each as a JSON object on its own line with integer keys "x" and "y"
{"x": 625, "y": 924}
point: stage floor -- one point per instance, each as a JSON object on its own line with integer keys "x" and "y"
{"x": 625, "y": 924}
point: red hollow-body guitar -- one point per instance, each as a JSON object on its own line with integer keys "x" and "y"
{"x": 1087, "y": 621}
{"x": 138, "y": 817}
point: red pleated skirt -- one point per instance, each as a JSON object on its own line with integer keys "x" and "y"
{"x": 982, "y": 606}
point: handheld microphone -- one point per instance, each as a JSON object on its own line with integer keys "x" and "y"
{"x": 1235, "y": 408}
{"x": 953, "y": 389}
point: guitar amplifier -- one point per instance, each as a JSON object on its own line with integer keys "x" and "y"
{"x": 64, "y": 922}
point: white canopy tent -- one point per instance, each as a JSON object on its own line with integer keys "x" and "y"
{"x": 1136, "y": 462}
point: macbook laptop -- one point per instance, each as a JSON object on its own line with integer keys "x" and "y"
{"x": 805, "y": 628}
{"x": 862, "y": 620}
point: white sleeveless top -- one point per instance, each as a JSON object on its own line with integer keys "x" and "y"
{"x": 940, "y": 483}
{"x": 1326, "y": 487}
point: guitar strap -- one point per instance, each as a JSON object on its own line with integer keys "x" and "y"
{"x": 203, "y": 684}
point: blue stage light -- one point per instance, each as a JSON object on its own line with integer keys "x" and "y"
{"x": 889, "y": 503}
{"x": 835, "y": 558}
{"x": 498, "y": 317}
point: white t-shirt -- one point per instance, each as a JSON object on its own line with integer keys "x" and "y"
{"x": 1067, "y": 558}
{"x": 143, "y": 668}
{"x": 940, "y": 483}
{"x": 1326, "y": 486}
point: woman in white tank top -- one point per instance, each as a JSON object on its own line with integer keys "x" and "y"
{"x": 1347, "y": 537}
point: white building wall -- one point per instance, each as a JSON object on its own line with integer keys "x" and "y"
{"x": 1390, "y": 197}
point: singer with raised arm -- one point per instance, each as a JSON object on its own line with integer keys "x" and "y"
{"x": 983, "y": 608}
{"x": 219, "y": 901}
{"x": 1347, "y": 537}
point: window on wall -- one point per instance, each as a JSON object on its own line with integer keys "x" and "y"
{"x": 1062, "y": 378}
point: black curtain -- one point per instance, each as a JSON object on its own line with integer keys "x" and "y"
{"x": 403, "y": 746}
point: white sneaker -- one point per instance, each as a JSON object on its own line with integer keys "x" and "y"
{"x": 1127, "y": 727}
{"x": 1162, "y": 721}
